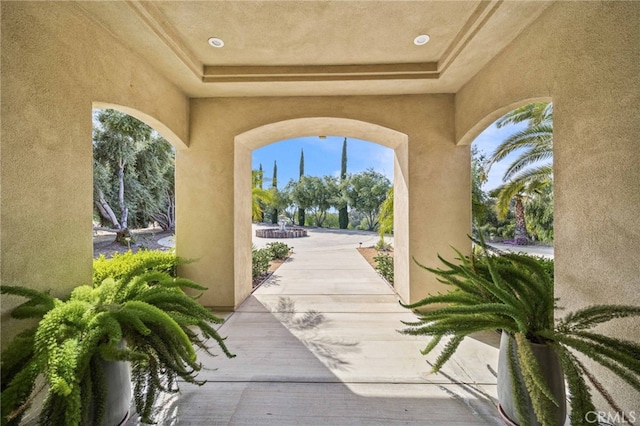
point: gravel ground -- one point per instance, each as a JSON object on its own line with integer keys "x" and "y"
{"x": 103, "y": 242}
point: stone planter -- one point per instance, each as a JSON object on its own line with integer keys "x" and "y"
{"x": 278, "y": 233}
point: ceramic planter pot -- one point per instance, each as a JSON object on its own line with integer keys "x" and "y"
{"x": 553, "y": 375}
{"x": 119, "y": 393}
{"x": 118, "y": 375}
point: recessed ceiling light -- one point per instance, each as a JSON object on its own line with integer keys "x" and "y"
{"x": 216, "y": 42}
{"x": 421, "y": 39}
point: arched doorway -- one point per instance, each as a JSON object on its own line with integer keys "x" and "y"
{"x": 246, "y": 142}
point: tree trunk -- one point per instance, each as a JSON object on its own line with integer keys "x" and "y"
{"x": 167, "y": 220}
{"x": 124, "y": 237}
{"x": 301, "y": 217}
{"x": 521, "y": 238}
{"x": 123, "y": 208}
{"x": 343, "y": 218}
{"x": 106, "y": 211}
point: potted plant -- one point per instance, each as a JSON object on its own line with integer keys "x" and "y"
{"x": 513, "y": 293}
{"x": 138, "y": 317}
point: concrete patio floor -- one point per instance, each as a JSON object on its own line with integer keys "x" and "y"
{"x": 317, "y": 344}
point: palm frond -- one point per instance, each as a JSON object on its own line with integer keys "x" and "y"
{"x": 526, "y": 159}
{"x": 539, "y": 137}
{"x": 535, "y": 113}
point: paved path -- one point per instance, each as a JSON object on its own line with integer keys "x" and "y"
{"x": 317, "y": 345}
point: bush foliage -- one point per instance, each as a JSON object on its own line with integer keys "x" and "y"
{"x": 122, "y": 264}
{"x": 384, "y": 266}
{"x": 278, "y": 250}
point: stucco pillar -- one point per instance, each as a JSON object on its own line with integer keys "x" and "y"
{"x": 51, "y": 79}
{"x": 597, "y": 170}
{"x": 439, "y": 195}
{"x": 204, "y": 206}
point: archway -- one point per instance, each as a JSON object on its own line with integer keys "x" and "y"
{"x": 246, "y": 142}
{"x": 152, "y": 122}
{"x": 512, "y": 188}
{"x": 133, "y": 180}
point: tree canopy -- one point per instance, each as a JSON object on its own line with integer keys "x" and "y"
{"x": 133, "y": 173}
{"x": 366, "y": 192}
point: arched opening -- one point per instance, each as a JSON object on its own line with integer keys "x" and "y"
{"x": 133, "y": 181}
{"x": 512, "y": 179}
{"x": 318, "y": 186}
{"x": 246, "y": 142}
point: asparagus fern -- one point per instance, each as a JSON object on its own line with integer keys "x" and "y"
{"x": 514, "y": 293}
{"x": 143, "y": 305}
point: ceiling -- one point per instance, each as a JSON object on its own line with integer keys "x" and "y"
{"x": 315, "y": 48}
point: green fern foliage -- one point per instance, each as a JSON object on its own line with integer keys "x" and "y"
{"x": 515, "y": 293}
{"x": 142, "y": 305}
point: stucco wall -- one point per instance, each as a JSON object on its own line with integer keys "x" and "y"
{"x": 438, "y": 178}
{"x": 55, "y": 64}
{"x": 585, "y": 57}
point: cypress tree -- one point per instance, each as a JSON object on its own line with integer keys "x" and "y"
{"x": 343, "y": 214}
{"x": 260, "y": 179}
{"x": 301, "y": 212}
{"x": 274, "y": 185}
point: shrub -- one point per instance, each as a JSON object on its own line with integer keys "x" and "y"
{"x": 278, "y": 250}
{"x": 384, "y": 266}
{"x": 382, "y": 245}
{"x": 124, "y": 263}
{"x": 260, "y": 262}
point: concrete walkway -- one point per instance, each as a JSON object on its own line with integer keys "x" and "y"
{"x": 317, "y": 344}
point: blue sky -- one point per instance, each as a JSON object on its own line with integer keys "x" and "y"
{"x": 322, "y": 156}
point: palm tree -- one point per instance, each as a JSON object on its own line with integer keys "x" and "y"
{"x": 259, "y": 196}
{"x": 520, "y": 189}
{"x": 526, "y": 175}
{"x": 536, "y": 140}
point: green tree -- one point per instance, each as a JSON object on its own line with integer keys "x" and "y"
{"x": 313, "y": 194}
{"x": 133, "y": 174}
{"x": 539, "y": 214}
{"x": 520, "y": 191}
{"x": 156, "y": 197}
{"x": 531, "y": 171}
{"x": 259, "y": 197}
{"x": 301, "y": 212}
{"x": 479, "y": 199}
{"x": 386, "y": 216}
{"x": 367, "y": 191}
{"x": 262, "y": 205}
{"x": 283, "y": 202}
{"x": 343, "y": 214}
{"x": 274, "y": 189}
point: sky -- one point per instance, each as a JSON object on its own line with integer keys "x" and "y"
{"x": 322, "y": 156}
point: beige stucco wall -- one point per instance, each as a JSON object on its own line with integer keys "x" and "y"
{"x": 55, "y": 65}
{"x": 586, "y": 58}
{"x": 437, "y": 178}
